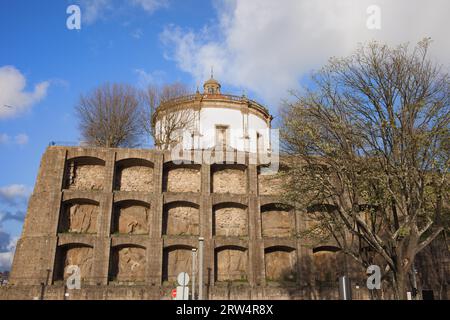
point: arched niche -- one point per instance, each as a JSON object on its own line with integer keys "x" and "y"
{"x": 231, "y": 264}
{"x": 328, "y": 265}
{"x": 84, "y": 173}
{"x": 270, "y": 184}
{"x": 181, "y": 178}
{"x": 176, "y": 259}
{"x": 230, "y": 219}
{"x": 131, "y": 217}
{"x": 181, "y": 218}
{"x": 79, "y": 216}
{"x": 278, "y": 221}
{"x": 280, "y": 264}
{"x": 229, "y": 178}
{"x": 134, "y": 175}
{"x": 128, "y": 263}
{"x": 73, "y": 254}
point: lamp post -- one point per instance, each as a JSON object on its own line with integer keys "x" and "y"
{"x": 345, "y": 288}
{"x": 194, "y": 258}
{"x": 200, "y": 268}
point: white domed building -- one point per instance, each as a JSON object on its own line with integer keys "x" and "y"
{"x": 212, "y": 119}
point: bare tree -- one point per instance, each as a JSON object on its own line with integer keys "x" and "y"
{"x": 109, "y": 116}
{"x": 172, "y": 120}
{"x": 369, "y": 148}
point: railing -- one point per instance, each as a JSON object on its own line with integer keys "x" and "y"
{"x": 192, "y": 97}
{"x": 87, "y": 145}
{"x": 180, "y": 99}
{"x": 66, "y": 143}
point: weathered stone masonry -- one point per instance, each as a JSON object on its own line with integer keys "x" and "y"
{"x": 129, "y": 219}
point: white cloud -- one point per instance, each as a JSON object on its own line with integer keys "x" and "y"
{"x": 14, "y": 100}
{"x": 13, "y": 197}
{"x": 137, "y": 33}
{"x": 4, "y": 138}
{"x": 145, "y": 78}
{"x": 6, "y": 257}
{"x": 17, "y": 215}
{"x": 14, "y": 194}
{"x": 92, "y": 10}
{"x": 151, "y": 5}
{"x": 20, "y": 139}
{"x": 268, "y": 46}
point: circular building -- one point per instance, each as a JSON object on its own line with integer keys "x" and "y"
{"x": 211, "y": 120}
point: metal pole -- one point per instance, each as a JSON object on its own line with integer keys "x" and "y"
{"x": 414, "y": 284}
{"x": 345, "y": 291}
{"x": 194, "y": 257}
{"x": 200, "y": 268}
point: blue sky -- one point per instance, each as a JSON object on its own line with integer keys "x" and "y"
{"x": 36, "y": 42}
{"x": 260, "y": 47}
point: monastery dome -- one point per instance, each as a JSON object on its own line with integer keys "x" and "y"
{"x": 215, "y": 119}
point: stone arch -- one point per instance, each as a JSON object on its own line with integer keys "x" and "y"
{"x": 327, "y": 265}
{"x": 231, "y": 263}
{"x": 134, "y": 174}
{"x": 322, "y": 207}
{"x": 176, "y": 259}
{"x": 230, "y": 219}
{"x": 277, "y": 220}
{"x": 127, "y": 264}
{"x": 79, "y": 216}
{"x": 84, "y": 173}
{"x": 229, "y": 178}
{"x": 78, "y": 254}
{"x": 280, "y": 263}
{"x": 181, "y": 178}
{"x": 181, "y": 218}
{"x": 131, "y": 217}
{"x": 326, "y": 249}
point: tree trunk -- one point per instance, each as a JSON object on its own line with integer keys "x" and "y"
{"x": 401, "y": 284}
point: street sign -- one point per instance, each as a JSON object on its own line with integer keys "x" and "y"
{"x": 183, "y": 279}
{"x": 182, "y": 289}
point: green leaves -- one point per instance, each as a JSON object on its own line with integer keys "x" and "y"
{"x": 370, "y": 137}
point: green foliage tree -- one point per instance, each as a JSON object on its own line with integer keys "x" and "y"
{"x": 368, "y": 146}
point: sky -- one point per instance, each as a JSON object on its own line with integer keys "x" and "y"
{"x": 261, "y": 48}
